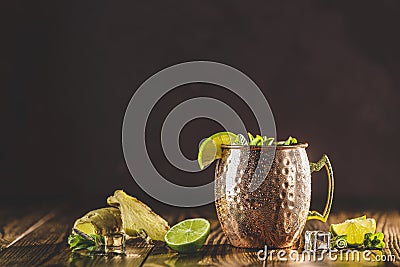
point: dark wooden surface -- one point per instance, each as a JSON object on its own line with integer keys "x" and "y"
{"x": 37, "y": 237}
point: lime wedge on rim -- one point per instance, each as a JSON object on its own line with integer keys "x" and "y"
{"x": 188, "y": 236}
{"x": 210, "y": 148}
{"x": 355, "y": 229}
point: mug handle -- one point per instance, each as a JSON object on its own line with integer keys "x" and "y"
{"x": 324, "y": 161}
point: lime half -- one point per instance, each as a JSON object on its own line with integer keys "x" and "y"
{"x": 188, "y": 236}
{"x": 210, "y": 149}
{"x": 355, "y": 229}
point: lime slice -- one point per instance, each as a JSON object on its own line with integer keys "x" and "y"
{"x": 355, "y": 229}
{"x": 188, "y": 236}
{"x": 210, "y": 149}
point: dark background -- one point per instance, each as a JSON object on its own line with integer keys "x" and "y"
{"x": 330, "y": 71}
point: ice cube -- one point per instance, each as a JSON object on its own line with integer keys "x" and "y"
{"x": 114, "y": 243}
{"x": 317, "y": 240}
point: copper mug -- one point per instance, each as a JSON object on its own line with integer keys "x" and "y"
{"x": 275, "y": 213}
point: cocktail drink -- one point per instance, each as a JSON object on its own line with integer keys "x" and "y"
{"x": 275, "y": 213}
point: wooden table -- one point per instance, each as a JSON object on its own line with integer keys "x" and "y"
{"x": 37, "y": 237}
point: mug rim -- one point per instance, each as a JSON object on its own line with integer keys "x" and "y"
{"x": 299, "y": 145}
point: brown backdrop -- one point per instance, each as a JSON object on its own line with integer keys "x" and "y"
{"x": 331, "y": 73}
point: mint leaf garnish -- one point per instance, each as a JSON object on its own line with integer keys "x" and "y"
{"x": 268, "y": 141}
{"x": 259, "y": 140}
{"x": 374, "y": 241}
{"x": 251, "y": 137}
{"x": 290, "y": 141}
{"x": 80, "y": 241}
{"x": 241, "y": 140}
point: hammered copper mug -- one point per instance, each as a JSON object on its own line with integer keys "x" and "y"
{"x": 275, "y": 213}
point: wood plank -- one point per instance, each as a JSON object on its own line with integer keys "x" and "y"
{"x": 33, "y": 248}
{"x": 42, "y": 242}
{"x": 45, "y": 244}
{"x": 15, "y": 222}
{"x": 136, "y": 252}
{"x": 217, "y": 252}
{"x": 389, "y": 224}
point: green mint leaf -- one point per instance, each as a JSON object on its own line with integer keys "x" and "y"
{"x": 380, "y": 236}
{"x": 287, "y": 142}
{"x": 73, "y": 240}
{"x": 98, "y": 240}
{"x": 280, "y": 143}
{"x": 81, "y": 247}
{"x": 80, "y": 241}
{"x": 251, "y": 137}
{"x": 265, "y": 141}
{"x": 257, "y": 141}
{"x": 92, "y": 248}
{"x": 374, "y": 241}
{"x": 241, "y": 140}
{"x": 269, "y": 141}
{"x": 260, "y": 141}
{"x": 76, "y": 240}
{"x": 290, "y": 141}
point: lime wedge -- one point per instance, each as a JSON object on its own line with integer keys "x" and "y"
{"x": 188, "y": 236}
{"x": 355, "y": 229}
{"x": 361, "y": 218}
{"x": 210, "y": 149}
